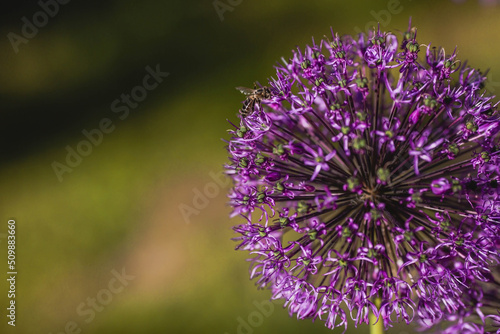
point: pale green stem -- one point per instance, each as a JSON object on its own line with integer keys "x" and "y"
{"x": 377, "y": 328}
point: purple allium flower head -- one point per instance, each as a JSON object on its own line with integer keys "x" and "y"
{"x": 368, "y": 181}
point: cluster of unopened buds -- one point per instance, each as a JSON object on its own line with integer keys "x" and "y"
{"x": 368, "y": 183}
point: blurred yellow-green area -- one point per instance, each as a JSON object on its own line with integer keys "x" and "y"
{"x": 102, "y": 244}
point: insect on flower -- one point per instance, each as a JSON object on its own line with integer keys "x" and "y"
{"x": 367, "y": 178}
{"x": 254, "y": 96}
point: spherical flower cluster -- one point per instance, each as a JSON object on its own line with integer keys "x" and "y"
{"x": 369, "y": 185}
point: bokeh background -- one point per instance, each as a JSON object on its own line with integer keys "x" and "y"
{"x": 120, "y": 208}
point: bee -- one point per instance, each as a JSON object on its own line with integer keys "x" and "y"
{"x": 254, "y": 96}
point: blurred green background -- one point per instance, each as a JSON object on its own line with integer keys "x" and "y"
{"x": 119, "y": 209}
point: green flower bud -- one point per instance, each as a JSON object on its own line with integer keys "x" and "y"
{"x": 279, "y": 150}
{"x": 352, "y": 183}
{"x": 243, "y": 162}
{"x": 284, "y": 221}
{"x": 383, "y": 174}
{"x": 305, "y": 64}
{"x": 302, "y": 207}
{"x": 359, "y": 143}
